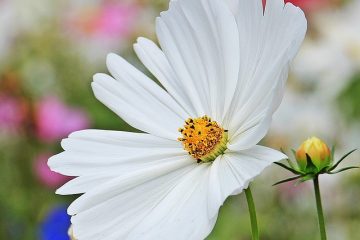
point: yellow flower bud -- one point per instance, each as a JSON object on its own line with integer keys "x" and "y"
{"x": 318, "y": 152}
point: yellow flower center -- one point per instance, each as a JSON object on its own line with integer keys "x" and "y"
{"x": 203, "y": 138}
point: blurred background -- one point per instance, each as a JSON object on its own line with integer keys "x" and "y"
{"x": 49, "y": 51}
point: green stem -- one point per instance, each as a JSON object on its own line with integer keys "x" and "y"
{"x": 319, "y": 209}
{"x": 252, "y": 212}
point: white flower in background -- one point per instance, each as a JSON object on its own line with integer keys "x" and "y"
{"x": 223, "y": 70}
{"x": 8, "y": 31}
{"x": 323, "y": 65}
{"x": 309, "y": 115}
{"x": 18, "y": 17}
{"x": 342, "y": 29}
{"x": 326, "y": 62}
{"x": 330, "y": 59}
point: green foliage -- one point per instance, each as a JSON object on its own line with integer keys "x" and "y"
{"x": 349, "y": 100}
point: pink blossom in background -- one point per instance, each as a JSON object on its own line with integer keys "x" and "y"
{"x": 109, "y": 21}
{"x": 116, "y": 20}
{"x": 54, "y": 120}
{"x": 291, "y": 191}
{"x": 45, "y": 175}
{"x": 12, "y": 114}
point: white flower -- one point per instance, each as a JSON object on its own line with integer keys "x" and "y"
{"x": 228, "y": 63}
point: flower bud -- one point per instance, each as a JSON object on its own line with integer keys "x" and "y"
{"x": 318, "y": 153}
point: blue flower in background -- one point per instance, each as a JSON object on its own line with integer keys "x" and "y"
{"x": 56, "y": 224}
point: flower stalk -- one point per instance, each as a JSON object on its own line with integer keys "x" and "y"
{"x": 252, "y": 212}
{"x": 319, "y": 208}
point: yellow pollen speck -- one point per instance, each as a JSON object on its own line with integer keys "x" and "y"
{"x": 203, "y": 138}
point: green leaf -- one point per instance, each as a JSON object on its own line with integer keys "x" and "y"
{"x": 341, "y": 159}
{"x": 343, "y": 169}
{"x": 287, "y": 180}
{"x": 288, "y": 168}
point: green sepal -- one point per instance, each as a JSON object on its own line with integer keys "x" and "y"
{"x": 288, "y": 168}
{"x": 287, "y": 180}
{"x": 310, "y": 167}
{"x": 332, "y": 154}
{"x": 342, "y": 170}
{"x": 292, "y": 165}
{"x": 308, "y": 177}
{"x": 341, "y": 159}
{"x": 282, "y": 150}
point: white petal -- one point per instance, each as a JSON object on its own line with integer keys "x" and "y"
{"x": 233, "y": 5}
{"x": 124, "y": 139}
{"x": 127, "y": 181}
{"x": 156, "y": 62}
{"x": 182, "y": 214}
{"x": 117, "y": 206}
{"x": 200, "y": 41}
{"x": 162, "y": 206}
{"x": 83, "y": 184}
{"x": 280, "y": 89}
{"x": 149, "y": 197}
{"x": 232, "y": 172}
{"x": 268, "y": 43}
{"x": 251, "y": 132}
{"x": 98, "y": 156}
{"x": 138, "y": 100}
{"x": 114, "y": 164}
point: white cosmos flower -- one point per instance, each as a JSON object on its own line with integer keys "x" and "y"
{"x": 225, "y": 61}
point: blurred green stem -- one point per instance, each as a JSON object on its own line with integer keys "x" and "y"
{"x": 252, "y": 212}
{"x": 319, "y": 208}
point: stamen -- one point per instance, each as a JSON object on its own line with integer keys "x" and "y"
{"x": 203, "y": 138}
